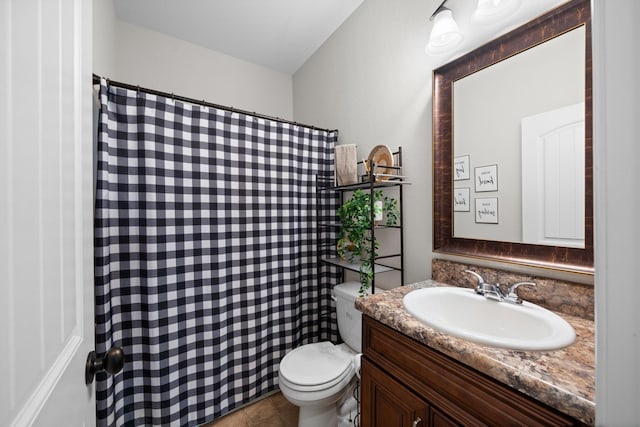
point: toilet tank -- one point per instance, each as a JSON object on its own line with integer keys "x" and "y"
{"x": 349, "y": 318}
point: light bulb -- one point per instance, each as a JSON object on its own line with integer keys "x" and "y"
{"x": 492, "y": 11}
{"x": 445, "y": 34}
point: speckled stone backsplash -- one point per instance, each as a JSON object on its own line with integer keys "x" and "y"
{"x": 556, "y": 295}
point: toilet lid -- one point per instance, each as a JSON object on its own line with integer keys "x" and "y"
{"x": 315, "y": 364}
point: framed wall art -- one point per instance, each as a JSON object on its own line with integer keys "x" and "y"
{"x": 486, "y": 178}
{"x": 461, "y": 200}
{"x": 461, "y": 168}
{"x": 487, "y": 210}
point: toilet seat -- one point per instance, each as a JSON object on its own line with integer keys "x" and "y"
{"x": 317, "y": 366}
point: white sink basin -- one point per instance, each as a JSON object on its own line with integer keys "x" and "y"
{"x": 463, "y": 313}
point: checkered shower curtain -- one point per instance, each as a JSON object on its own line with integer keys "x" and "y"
{"x": 205, "y": 253}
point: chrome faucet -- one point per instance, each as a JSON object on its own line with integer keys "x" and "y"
{"x": 482, "y": 287}
{"x": 512, "y": 296}
{"x": 495, "y": 292}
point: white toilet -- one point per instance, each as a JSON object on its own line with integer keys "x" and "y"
{"x": 317, "y": 376}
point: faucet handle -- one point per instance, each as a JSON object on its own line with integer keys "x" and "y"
{"x": 512, "y": 295}
{"x": 480, "y": 288}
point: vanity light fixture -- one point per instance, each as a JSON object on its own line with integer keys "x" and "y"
{"x": 445, "y": 34}
{"x": 493, "y": 11}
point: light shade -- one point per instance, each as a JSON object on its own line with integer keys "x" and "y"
{"x": 493, "y": 11}
{"x": 445, "y": 34}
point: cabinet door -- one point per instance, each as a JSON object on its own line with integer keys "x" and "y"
{"x": 387, "y": 403}
{"x": 438, "y": 419}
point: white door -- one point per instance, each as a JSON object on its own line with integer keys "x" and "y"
{"x": 553, "y": 177}
{"x": 46, "y": 248}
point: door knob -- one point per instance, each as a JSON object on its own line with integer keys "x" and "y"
{"x": 111, "y": 363}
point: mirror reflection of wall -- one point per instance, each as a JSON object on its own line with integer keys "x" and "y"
{"x": 489, "y": 106}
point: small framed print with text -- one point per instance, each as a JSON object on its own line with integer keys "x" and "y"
{"x": 486, "y": 178}
{"x": 461, "y": 168}
{"x": 487, "y": 210}
{"x": 461, "y": 200}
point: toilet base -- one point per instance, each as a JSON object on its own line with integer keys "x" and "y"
{"x": 340, "y": 413}
{"x": 317, "y": 416}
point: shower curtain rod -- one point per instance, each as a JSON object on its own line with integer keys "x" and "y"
{"x": 96, "y": 80}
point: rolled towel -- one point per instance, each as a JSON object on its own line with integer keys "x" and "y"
{"x": 346, "y": 164}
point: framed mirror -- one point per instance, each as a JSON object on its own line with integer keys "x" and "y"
{"x": 512, "y": 146}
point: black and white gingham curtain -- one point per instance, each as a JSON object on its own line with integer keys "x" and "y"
{"x": 205, "y": 246}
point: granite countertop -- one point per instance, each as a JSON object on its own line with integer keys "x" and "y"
{"x": 563, "y": 379}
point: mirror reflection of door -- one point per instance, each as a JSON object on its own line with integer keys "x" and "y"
{"x": 553, "y": 177}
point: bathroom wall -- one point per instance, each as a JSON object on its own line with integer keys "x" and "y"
{"x": 105, "y": 26}
{"x": 372, "y": 80}
{"x": 616, "y": 95}
{"x": 135, "y": 55}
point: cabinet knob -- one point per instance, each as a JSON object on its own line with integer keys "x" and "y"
{"x": 416, "y": 422}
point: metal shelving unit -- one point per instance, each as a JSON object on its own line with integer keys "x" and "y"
{"x": 370, "y": 181}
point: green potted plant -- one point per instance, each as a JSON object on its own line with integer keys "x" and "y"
{"x": 355, "y": 236}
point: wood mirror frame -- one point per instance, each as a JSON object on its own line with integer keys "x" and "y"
{"x": 554, "y": 23}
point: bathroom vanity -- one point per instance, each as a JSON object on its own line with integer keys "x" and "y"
{"x": 413, "y": 375}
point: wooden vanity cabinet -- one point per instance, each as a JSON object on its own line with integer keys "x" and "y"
{"x": 394, "y": 405}
{"x": 405, "y": 383}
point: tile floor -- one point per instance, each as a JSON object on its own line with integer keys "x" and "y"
{"x": 272, "y": 411}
